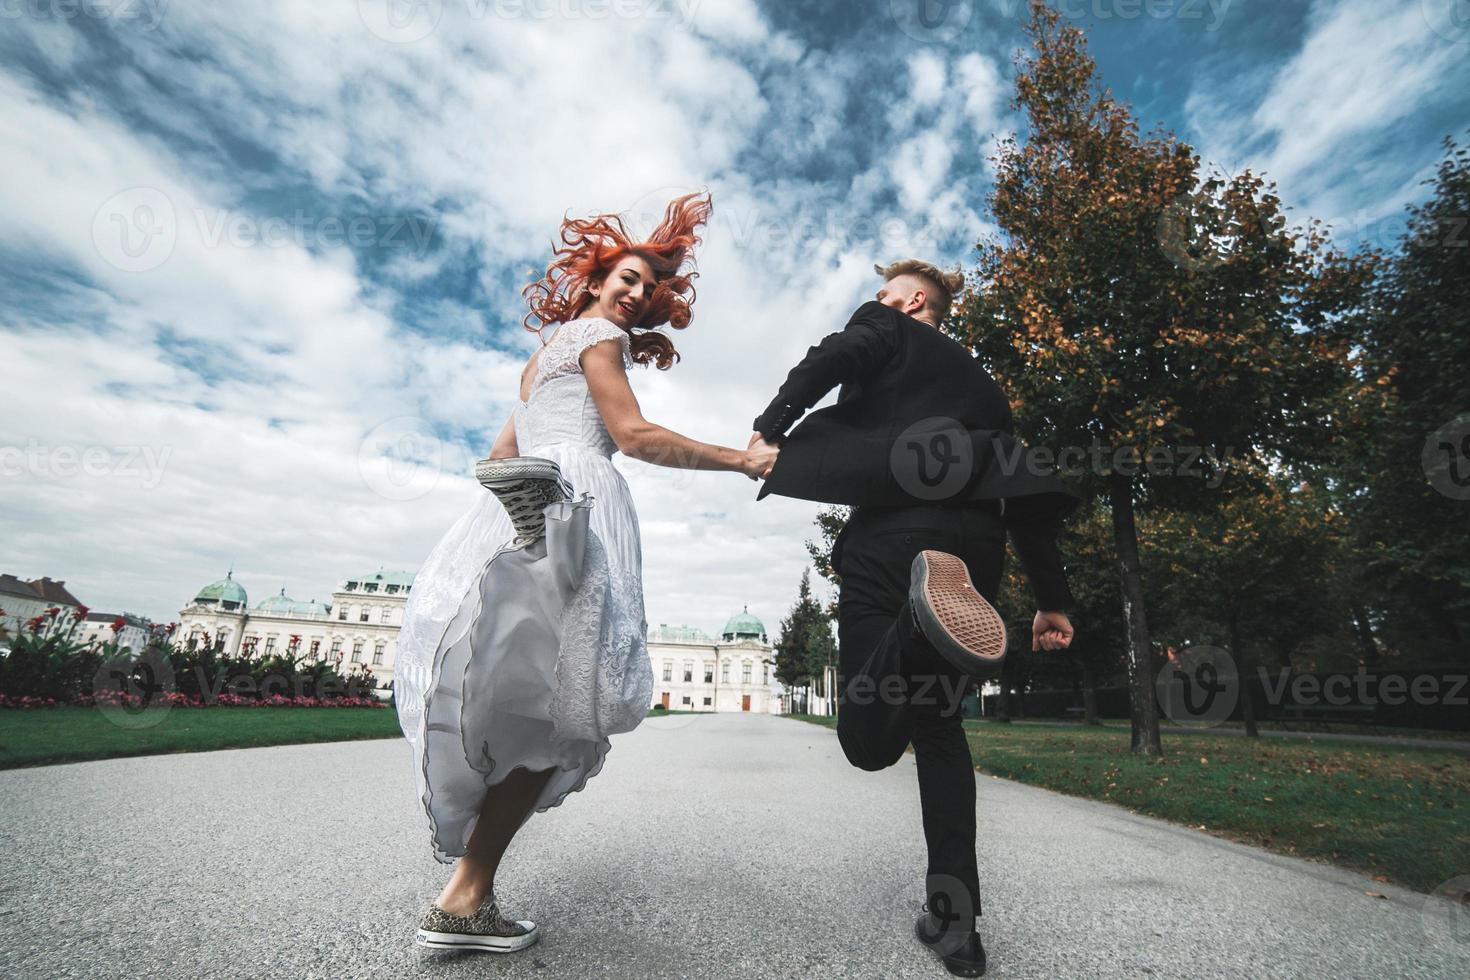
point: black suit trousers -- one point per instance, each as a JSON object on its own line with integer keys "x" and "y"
{"x": 895, "y": 690}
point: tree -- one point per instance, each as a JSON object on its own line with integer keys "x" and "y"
{"x": 1155, "y": 321}
{"x": 804, "y": 646}
{"x": 1403, "y": 464}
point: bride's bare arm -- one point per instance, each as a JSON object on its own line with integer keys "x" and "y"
{"x": 505, "y": 443}
{"x": 607, "y": 380}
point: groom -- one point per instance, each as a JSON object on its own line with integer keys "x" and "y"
{"x": 919, "y": 444}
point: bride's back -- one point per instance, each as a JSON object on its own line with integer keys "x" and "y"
{"x": 560, "y": 409}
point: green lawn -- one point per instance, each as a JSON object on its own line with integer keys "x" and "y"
{"x": 1397, "y": 813}
{"x": 41, "y": 736}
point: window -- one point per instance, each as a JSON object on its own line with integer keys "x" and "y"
{"x": 336, "y": 648}
{"x": 391, "y": 590}
{"x": 316, "y": 646}
{"x": 709, "y": 673}
{"x": 745, "y": 672}
{"x": 362, "y": 615}
{"x": 370, "y": 587}
{"x": 270, "y": 645}
{"x": 351, "y": 586}
{"x": 668, "y": 670}
{"x": 765, "y": 673}
{"x": 688, "y": 702}
{"x": 378, "y": 652}
{"x": 342, "y": 613}
{"x": 688, "y": 672}
{"x": 706, "y": 702}
{"x": 725, "y": 672}
{"x": 193, "y": 637}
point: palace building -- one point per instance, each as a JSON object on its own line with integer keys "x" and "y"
{"x": 691, "y": 670}
{"x": 694, "y": 672}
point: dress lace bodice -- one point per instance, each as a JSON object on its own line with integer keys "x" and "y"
{"x": 560, "y": 409}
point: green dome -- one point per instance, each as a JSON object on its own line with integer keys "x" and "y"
{"x": 283, "y": 605}
{"x": 226, "y": 592}
{"x": 743, "y": 625}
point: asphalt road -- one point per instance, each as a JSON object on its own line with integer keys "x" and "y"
{"x": 708, "y": 847}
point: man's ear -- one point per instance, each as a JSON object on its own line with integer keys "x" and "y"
{"x": 918, "y": 301}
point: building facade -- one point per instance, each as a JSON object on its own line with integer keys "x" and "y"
{"x": 25, "y": 600}
{"x": 695, "y": 672}
{"x": 359, "y": 626}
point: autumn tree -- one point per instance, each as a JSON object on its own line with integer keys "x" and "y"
{"x": 1151, "y": 322}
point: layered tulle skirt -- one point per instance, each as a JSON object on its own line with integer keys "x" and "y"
{"x": 523, "y": 656}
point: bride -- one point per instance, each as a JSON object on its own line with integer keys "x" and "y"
{"x": 521, "y": 653}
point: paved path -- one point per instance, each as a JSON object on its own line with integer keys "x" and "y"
{"x": 1376, "y": 741}
{"x": 710, "y": 846}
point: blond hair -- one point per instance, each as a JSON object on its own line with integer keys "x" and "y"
{"x": 943, "y": 286}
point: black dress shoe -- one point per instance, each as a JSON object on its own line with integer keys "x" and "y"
{"x": 963, "y": 954}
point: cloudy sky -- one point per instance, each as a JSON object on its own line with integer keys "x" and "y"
{"x": 262, "y": 262}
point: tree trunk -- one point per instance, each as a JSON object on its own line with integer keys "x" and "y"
{"x": 1003, "y": 700}
{"x": 1089, "y": 698}
{"x": 1144, "y": 706}
{"x": 1367, "y": 646}
{"x": 1243, "y": 665}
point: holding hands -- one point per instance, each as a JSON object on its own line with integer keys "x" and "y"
{"x": 760, "y": 457}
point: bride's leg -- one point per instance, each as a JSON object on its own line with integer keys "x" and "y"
{"x": 505, "y": 807}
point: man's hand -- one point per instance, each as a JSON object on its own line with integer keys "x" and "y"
{"x": 1050, "y": 631}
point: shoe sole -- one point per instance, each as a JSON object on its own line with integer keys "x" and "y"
{"x": 957, "y": 969}
{"x": 516, "y": 469}
{"x": 964, "y": 628}
{"x": 489, "y": 944}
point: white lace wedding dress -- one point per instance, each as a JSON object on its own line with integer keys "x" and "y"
{"x": 528, "y": 656}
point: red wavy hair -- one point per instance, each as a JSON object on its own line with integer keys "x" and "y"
{"x": 592, "y": 247}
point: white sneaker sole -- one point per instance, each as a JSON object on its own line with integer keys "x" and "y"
{"x": 489, "y": 944}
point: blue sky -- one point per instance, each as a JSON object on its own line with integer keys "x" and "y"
{"x": 262, "y": 264}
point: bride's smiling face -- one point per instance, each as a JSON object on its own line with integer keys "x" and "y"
{"x": 623, "y": 296}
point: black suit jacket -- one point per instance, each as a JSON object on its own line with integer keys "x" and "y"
{"x": 917, "y": 422}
